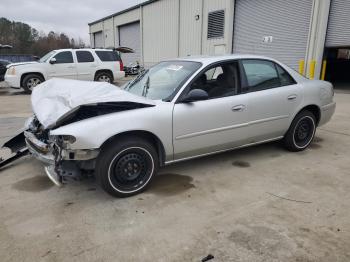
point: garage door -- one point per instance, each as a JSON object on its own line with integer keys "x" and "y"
{"x": 98, "y": 40}
{"x": 338, "y": 32}
{"x": 274, "y": 28}
{"x": 129, "y": 36}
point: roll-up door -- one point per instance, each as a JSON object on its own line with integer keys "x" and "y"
{"x": 129, "y": 36}
{"x": 274, "y": 28}
{"x": 98, "y": 40}
{"x": 338, "y": 32}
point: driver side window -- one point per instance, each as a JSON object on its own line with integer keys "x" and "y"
{"x": 219, "y": 81}
{"x": 64, "y": 57}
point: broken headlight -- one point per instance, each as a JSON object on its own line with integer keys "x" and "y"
{"x": 63, "y": 141}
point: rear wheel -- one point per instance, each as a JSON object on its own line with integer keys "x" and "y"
{"x": 104, "y": 77}
{"x": 30, "y": 81}
{"x": 127, "y": 166}
{"x": 301, "y": 132}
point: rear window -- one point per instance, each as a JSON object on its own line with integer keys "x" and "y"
{"x": 108, "y": 56}
{"x": 84, "y": 57}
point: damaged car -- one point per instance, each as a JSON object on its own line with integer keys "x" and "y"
{"x": 176, "y": 110}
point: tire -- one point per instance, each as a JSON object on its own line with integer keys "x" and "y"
{"x": 301, "y": 132}
{"x": 126, "y": 166}
{"x": 30, "y": 81}
{"x": 104, "y": 77}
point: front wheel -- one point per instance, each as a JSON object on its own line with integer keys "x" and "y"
{"x": 301, "y": 132}
{"x": 125, "y": 167}
{"x": 30, "y": 81}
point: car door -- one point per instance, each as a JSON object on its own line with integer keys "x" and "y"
{"x": 272, "y": 97}
{"x": 63, "y": 65}
{"x": 215, "y": 124}
{"x": 86, "y": 65}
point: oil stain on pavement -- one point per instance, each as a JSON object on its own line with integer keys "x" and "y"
{"x": 33, "y": 184}
{"x": 171, "y": 184}
{"x": 240, "y": 163}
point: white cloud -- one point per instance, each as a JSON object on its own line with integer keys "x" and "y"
{"x": 67, "y": 16}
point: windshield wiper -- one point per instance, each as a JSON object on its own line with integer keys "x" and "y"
{"x": 146, "y": 87}
{"x": 135, "y": 80}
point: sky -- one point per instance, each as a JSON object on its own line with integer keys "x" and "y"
{"x": 66, "y": 16}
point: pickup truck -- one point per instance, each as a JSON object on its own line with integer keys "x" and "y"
{"x": 103, "y": 65}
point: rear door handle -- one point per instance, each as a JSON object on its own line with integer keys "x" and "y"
{"x": 292, "y": 97}
{"x": 238, "y": 108}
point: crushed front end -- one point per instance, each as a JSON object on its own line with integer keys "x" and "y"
{"x": 61, "y": 162}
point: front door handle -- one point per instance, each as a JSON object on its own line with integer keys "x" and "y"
{"x": 238, "y": 108}
{"x": 292, "y": 97}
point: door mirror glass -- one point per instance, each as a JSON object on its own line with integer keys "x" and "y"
{"x": 53, "y": 61}
{"x": 195, "y": 95}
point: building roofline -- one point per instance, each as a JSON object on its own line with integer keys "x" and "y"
{"x": 123, "y": 11}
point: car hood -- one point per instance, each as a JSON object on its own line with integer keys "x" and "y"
{"x": 21, "y": 63}
{"x": 57, "y": 98}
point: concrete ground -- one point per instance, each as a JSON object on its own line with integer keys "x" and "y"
{"x": 255, "y": 204}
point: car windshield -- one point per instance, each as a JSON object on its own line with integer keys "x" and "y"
{"x": 163, "y": 80}
{"x": 46, "y": 57}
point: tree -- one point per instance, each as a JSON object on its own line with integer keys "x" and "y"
{"x": 27, "y": 40}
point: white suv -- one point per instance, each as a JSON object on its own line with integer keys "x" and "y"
{"x": 82, "y": 64}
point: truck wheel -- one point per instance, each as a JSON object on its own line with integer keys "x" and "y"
{"x": 126, "y": 166}
{"x": 301, "y": 132}
{"x": 104, "y": 77}
{"x": 30, "y": 81}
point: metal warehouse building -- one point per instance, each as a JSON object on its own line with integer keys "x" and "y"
{"x": 301, "y": 33}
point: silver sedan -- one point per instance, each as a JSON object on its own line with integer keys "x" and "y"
{"x": 177, "y": 110}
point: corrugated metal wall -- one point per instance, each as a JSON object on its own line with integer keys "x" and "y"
{"x": 338, "y": 32}
{"x": 287, "y": 22}
{"x": 129, "y": 35}
{"x": 108, "y": 33}
{"x": 125, "y": 18}
{"x": 160, "y": 31}
{"x": 98, "y": 39}
{"x": 190, "y": 27}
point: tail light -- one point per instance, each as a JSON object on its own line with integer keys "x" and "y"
{"x": 121, "y": 65}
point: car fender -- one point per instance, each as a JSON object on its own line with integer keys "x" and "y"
{"x": 92, "y": 133}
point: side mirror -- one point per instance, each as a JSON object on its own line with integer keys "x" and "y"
{"x": 195, "y": 95}
{"x": 53, "y": 61}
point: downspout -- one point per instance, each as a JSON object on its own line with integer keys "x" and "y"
{"x": 202, "y": 21}
{"x": 178, "y": 29}
{"x": 141, "y": 37}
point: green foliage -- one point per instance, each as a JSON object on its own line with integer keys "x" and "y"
{"x": 27, "y": 40}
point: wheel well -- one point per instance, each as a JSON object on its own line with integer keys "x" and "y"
{"x": 150, "y": 137}
{"x": 104, "y": 71}
{"x": 315, "y": 110}
{"x": 31, "y": 73}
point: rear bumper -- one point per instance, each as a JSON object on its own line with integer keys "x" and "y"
{"x": 327, "y": 112}
{"x": 13, "y": 81}
{"x": 118, "y": 75}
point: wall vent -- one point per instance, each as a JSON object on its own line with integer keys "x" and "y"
{"x": 216, "y": 24}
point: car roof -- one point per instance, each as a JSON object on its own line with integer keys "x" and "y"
{"x": 83, "y": 49}
{"x": 212, "y": 59}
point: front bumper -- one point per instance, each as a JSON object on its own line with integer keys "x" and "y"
{"x": 13, "y": 81}
{"x": 39, "y": 149}
{"x": 59, "y": 163}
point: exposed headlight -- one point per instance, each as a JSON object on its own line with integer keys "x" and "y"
{"x": 63, "y": 141}
{"x": 11, "y": 71}
{"x": 68, "y": 139}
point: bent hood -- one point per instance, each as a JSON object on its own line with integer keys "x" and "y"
{"x": 56, "y": 98}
